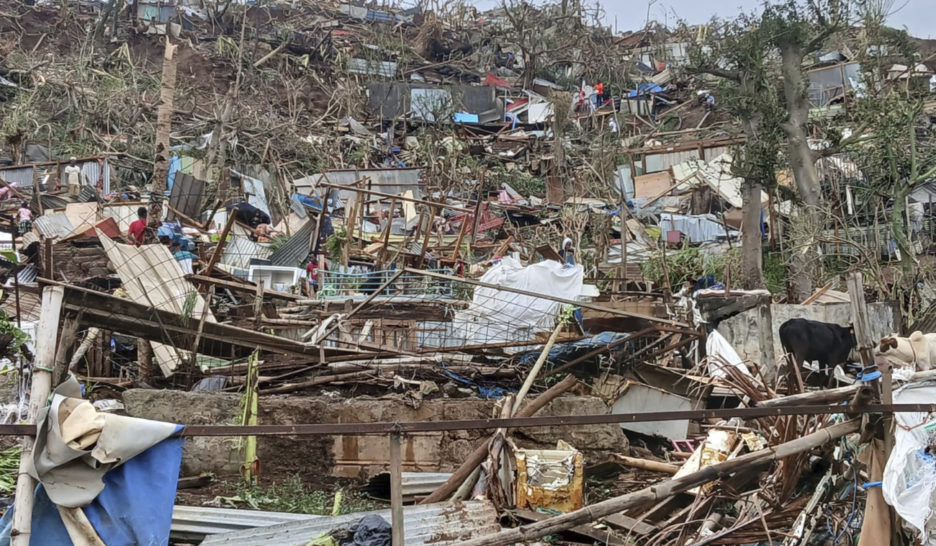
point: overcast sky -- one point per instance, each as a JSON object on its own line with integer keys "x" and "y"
{"x": 918, "y": 16}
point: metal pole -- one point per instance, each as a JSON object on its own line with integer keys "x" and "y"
{"x": 396, "y": 490}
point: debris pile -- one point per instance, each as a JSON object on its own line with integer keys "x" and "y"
{"x": 516, "y": 274}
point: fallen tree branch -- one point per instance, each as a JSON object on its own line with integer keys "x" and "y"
{"x": 664, "y": 489}
{"x": 480, "y": 453}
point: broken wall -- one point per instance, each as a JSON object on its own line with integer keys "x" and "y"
{"x": 741, "y": 330}
{"x": 351, "y": 456}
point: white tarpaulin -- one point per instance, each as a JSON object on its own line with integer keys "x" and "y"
{"x": 497, "y": 316}
{"x": 909, "y": 483}
{"x": 76, "y": 445}
{"x": 717, "y": 345}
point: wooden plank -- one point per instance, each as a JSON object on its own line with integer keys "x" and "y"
{"x": 653, "y": 185}
{"x": 628, "y": 523}
{"x": 244, "y": 286}
{"x": 602, "y": 536}
{"x": 122, "y": 315}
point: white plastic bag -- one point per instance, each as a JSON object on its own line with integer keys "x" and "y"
{"x": 717, "y": 345}
{"x": 909, "y": 483}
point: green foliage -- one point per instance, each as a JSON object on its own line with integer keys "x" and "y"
{"x": 277, "y": 242}
{"x": 334, "y": 243}
{"x": 9, "y": 469}
{"x": 523, "y": 183}
{"x": 19, "y": 338}
{"x": 775, "y": 273}
{"x": 291, "y": 495}
{"x": 689, "y": 264}
{"x": 188, "y": 306}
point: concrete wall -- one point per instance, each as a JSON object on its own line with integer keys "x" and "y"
{"x": 741, "y": 329}
{"x": 352, "y": 456}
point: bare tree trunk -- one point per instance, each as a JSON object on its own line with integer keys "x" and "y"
{"x": 163, "y": 128}
{"x": 803, "y": 166}
{"x": 752, "y": 259}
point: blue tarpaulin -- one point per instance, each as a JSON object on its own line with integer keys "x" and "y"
{"x": 309, "y": 201}
{"x": 135, "y": 507}
{"x": 645, "y": 89}
{"x": 566, "y": 352}
{"x": 485, "y": 392}
{"x": 175, "y": 165}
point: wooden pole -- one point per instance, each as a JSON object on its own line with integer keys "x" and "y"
{"x": 163, "y": 129}
{"x": 396, "y": 491}
{"x": 385, "y": 238}
{"x": 425, "y": 243}
{"x": 528, "y": 382}
{"x": 384, "y": 196}
{"x": 477, "y": 211}
{"x": 823, "y": 396}
{"x": 664, "y": 489}
{"x": 648, "y": 464}
{"x": 46, "y": 334}
{"x": 216, "y": 253}
{"x": 480, "y": 453}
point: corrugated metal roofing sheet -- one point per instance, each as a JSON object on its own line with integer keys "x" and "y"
{"x": 239, "y": 250}
{"x": 296, "y": 248}
{"x": 448, "y": 523}
{"x": 197, "y": 522}
{"x": 392, "y": 181}
{"x": 54, "y": 225}
{"x": 386, "y": 69}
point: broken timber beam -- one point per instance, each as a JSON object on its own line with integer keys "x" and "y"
{"x": 480, "y": 453}
{"x": 665, "y": 489}
{"x": 244, "y": 286}
{"x": 112, "y": 313}
{"x": 582, "y": 304}
{"x": 216, "y": 254}
{"x": 396, "y": 197}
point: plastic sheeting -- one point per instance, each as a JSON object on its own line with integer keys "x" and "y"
{"x": 120, "y": 471}
{"x": 498, "y": 316}
{"x": 566, "y": 352}
{"x": 717, "y": 345}
{"x": 135, "y": 506}
{"x": 699, "y": 229}
{"x": 909, "y": 483}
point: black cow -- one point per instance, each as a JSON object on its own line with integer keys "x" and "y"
{"x": 808, "y": 340}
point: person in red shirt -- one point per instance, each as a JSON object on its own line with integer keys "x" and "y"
{"x": 138, "y": 227}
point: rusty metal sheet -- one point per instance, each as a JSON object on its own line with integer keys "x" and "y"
{"x": 550, "y": 478}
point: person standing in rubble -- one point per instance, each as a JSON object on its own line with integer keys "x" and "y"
{"x": 138, "y": 227}
{"x": 598, "y": 97}
{"x": 25, "y": 218}
{"x": 567, "y": 253}
{"x": 73, "y": 177}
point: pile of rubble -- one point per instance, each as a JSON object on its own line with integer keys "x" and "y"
{"x": 379, "y": 245}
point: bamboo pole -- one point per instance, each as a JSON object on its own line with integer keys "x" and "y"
{"x": 664, "y": 489}
{"x": 480, "y": 453}
{"x": 528, "y": 382}
{"x": 823, "y": 396}
{"x": 647, "y": 464}
{"x": 46, "y": 334}
{"x": 219, "y": 248}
